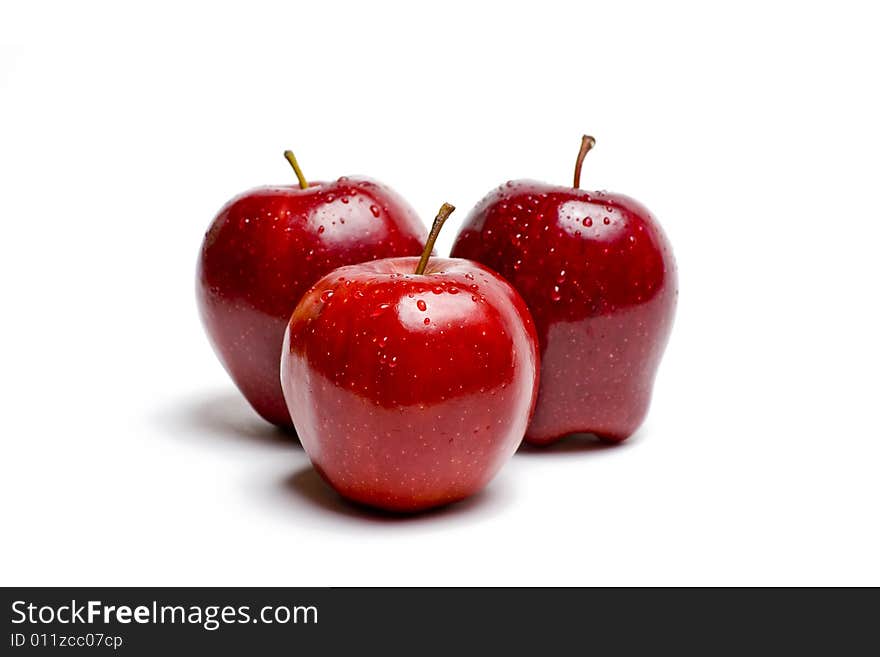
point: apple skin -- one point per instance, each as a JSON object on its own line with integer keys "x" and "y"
{"x": 263, "y": 251}
{"x": 410, "y": 391}
{"x": 598, "y": 274}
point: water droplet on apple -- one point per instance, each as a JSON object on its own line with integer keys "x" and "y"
{"x": 555, "y": 294}
{"x": 325, "y": 295}
{"x": 392, "y": 362}
{"x": 606, "y": 221}
{"x": 375, "y": 210}
{"x": 427, "y": 321}
{"x": 588, "y": 221}
{"x": 344, "y": 200}
{"x": 380, "y": 309}
{"x": 422, "y": 305}
{"x": 320, "y": 229}
{"x": 453, "y": 290}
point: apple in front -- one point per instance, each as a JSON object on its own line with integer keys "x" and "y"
{"x": 268, "y": 246}
{"x": 410, "y": 390}
{"x": 597, "y": 273}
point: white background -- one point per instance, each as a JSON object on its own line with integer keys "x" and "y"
{"x": 751, "y": 131}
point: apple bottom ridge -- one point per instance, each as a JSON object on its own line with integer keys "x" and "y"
{"x": 610, "y": 410}
{"x": 613, "y": 432}
{"x": 575, "y": 434}
{"x": 392, "y": 505}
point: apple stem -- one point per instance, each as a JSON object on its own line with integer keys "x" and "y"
{"x": 303, "y": 183}
{"x": 442, "y": 216}
{"x": 587, "y": 143}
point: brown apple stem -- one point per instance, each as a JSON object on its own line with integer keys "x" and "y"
{"x": 303, "y": 183}
{"x": 587, "y": 143}
{"x": 442, "y": 216}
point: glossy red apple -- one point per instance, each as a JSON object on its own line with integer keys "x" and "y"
{"x": 263, "y": 251}
{"x": 410, "y": 385}
{"x": 597, "y": 273}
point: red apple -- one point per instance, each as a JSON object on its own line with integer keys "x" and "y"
{"x": 410, "y": 385}
{"x": 597, "y": 273}
{"x": 267, "y": 246}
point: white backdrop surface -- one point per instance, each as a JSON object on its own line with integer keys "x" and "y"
{"x": 750, "y": 130}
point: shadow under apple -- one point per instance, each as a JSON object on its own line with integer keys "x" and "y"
{"x": 307, "y": 484}
{"x": 227, "y": 416}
